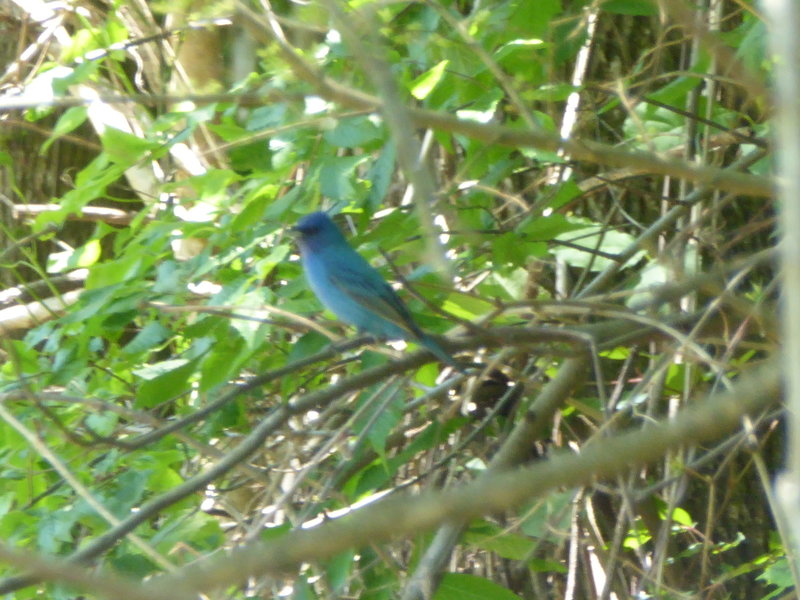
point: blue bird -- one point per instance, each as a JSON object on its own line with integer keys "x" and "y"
{"x": 352, "y": 290}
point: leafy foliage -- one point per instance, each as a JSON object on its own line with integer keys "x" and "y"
{"x": 194, "y": 326}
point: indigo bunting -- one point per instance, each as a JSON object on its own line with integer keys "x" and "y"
{"x": 352, "y": 290}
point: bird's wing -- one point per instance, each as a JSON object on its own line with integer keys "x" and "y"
{"x": 373, "y": 293}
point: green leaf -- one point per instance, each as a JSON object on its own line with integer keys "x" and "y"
{"x": 339, "y": 570}
{"x": 71, "y": 119}
{"x": 6, "y": 502}
{"x": 380, "y": 580}
{"x": 507, "y": 250}
{"x": 86, "y": 255}
{"x": 425, "y": 83}
{"x": 380, "y": 417}
{"x": 263, "y": 117}
{"x": 133, "y": 565}
{"x": 222, "y": 362}
{"x": 196, "y": 530}
{"x": 534, "y": 18}
{"x": 212, "y": 186}
{"x": 115, "y": 271}
{"x": 637, "y": 536}
{"x": 779, "y": 573}
{"x": 675, "y": 92}
{"x": 353, "y": 132}
{"x": 150, "y": 336}
{"x": 752, "y": 50}
{"x": 653, "y": 274}
{"x": 495, "y": 539}
{"x": 102, "y": 423}
{"x": 308, "y": 344}
{"x": 591, "y": 241}
{"x": 516, "y": 46}
{"x": 89, "y": 304}
{"x": 257, "y": 157}
{"x": 461, "y": 586}
{"x": 159, "y": 369}
{"x": 69, "y": 259}
{"x": 302, "y": 590}
{"x": 542, "y": 565}
{"x": 551, "y": 513}
{"x": 565, "y": 193}
{"x": 278, "y": 208}
{"x": 465, "y": 306}
{"x": 681, "y": 517}
{"x": 336, "y": 177}
{"x": 380, "y": 174}
{"x": 253, "y": 212}
{"x": 163, "y": 381}
{"x": 644, "y": 8}
{"x": 551, "y": 92}
{"x": 618, "y": 353}
{"x": 53, "y": 529}
{"x": 124, "y": 147}
{"x": 514, "y": 283}
{"x": 544, "y": 229}
{"x": 129, "y": 488}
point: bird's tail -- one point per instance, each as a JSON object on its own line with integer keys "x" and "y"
{"x": 439, "y": 352}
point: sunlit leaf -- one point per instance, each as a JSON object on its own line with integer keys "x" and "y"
{"x": 423, "y": 85}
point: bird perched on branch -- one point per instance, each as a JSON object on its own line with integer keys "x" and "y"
{"x": 352, "y": 290}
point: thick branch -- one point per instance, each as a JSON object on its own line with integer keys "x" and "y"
{"x": 408, "y": 515}
{"x": 594, "y": 152}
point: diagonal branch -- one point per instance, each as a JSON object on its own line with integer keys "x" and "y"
{"x": 405, "y": 514}
{"x": 594, "y": 152}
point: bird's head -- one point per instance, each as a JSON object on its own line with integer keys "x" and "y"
{"x": 317, "y": 232}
